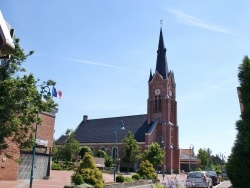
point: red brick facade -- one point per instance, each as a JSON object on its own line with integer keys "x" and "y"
{"x": 166, "y": 128}
{"x": 9, "y": 166}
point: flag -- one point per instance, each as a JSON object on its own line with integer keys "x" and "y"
{"x": 56, "y": 93}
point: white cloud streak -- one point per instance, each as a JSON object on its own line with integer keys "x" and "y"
{"x": 190, "y": 20}
{"x": 98, "y": 64}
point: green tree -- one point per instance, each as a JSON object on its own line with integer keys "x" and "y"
{"x": 108, "y": 161}
{"x": 154, "y": 154}
{"x": 132, "y": 150}
{"x": 101, "y": 153}
{"x": 55, "y": 152}
{"x": 84, "y": 150}
{"x": 90, "y": 173}
{"x": 71, "y": 148}
{"x": 203, "y": 156}
{"x": 238, "y": 162}
{"x": 146, "y": 170}
{"x": 21, "y": 99}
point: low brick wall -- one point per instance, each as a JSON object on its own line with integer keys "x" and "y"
{"x": 127, "y": 184}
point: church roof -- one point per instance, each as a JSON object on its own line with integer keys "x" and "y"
{"x": 161, "y": 62}
{"x": 103, "y": 130}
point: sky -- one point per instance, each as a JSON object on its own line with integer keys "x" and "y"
{"x": 100, "y": 54}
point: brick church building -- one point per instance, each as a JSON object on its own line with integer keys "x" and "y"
{"x": 158, "y": 125}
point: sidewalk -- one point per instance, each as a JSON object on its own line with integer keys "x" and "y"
{"x": 58, "y": 179}
{"x": 225, "y": 184}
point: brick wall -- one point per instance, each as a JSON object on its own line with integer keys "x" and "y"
{"x": 9, "y": 166}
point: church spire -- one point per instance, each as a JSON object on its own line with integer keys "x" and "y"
{"x": 161, "y": 62}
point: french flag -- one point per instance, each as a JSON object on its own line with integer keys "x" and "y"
{"x": 56, "y": 93}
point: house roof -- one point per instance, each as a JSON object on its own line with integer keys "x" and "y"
{"x": 187, "y": 157}
{"x": 61, "y": 140}
{"x": 103, "y": 130}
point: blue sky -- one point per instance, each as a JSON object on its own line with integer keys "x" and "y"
{"x": 100, "y": 54}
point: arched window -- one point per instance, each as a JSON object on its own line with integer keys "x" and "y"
{"x": 102, "y": 148}
{"x": 115, "y": 153}
{"x": 92, "y": 149}
{"x": 158, "y": 104}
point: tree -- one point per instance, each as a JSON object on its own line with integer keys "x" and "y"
{"x": 90, "y": 173}
{"x": 84, "y": 150}
{"x": 154, "y": 154}
{"x": 203, "y": 156}
{"x": 238, "y": 162}
{"x": 71, "y": 148}
{"x": 146, "y": 170}
{"x": 132, "y": 150}
{"x": 55, "y": 152}
{"x": 20, "y": 101}
{"x": 101, "y": 153}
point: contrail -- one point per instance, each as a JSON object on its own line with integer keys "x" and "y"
{"x": 190, "y": 20}
{"x": 99, "y": 64}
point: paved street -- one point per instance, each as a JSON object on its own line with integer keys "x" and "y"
{"x": 60, "y": 178}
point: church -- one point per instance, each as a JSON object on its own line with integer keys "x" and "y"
{"x": 158, "y": 125}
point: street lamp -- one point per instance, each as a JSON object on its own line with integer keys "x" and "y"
{"x": 190, "y": 147}
{"x": 115, "y": 154}
{"x": 45, "y": 89}
{"x": 161, "y": 143}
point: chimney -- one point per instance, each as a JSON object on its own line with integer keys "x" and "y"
{"x": 85, "y": 118}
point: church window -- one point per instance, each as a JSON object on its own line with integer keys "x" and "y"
{"x": 158, "y": 104}
{"x": 115, "y": 152}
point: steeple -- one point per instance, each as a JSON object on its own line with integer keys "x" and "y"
{"x": 150, "y": 76}
{"x": 161, "y": 62}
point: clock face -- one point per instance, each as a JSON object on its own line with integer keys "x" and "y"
{"x": 170, "y": 93}
{"x": 157, "y": 92}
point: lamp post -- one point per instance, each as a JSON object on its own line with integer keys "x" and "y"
{"x": 34, "y": 146}
{"x": 190, "y": 147}
{"x": 161, "y": 143}
{"x": 115, "y": 153}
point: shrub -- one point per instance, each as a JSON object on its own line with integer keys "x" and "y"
{"x": 108, "y": 161}
{"x": 146, "y": 170}
{"x": 77, "y": 179}
{"x": 136, "y": 176}
{"x": 119, "y": 178}
{"x": 198, "y": 169}
{"x": 55, "y": 166}
{"x": 90, "y": 173}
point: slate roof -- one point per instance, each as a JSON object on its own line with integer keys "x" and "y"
{"x": 161, "y": 62}
{"x": 103, "y": 130}
{"x": 61, "y": 140}
{"x": 187, "y": 157}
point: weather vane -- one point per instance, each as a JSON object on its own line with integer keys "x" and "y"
{"x": 161, "y": 22}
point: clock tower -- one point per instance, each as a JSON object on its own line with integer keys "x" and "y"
{"x": 162, "y": 111}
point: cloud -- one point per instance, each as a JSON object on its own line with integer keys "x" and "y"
{"x": 190, "y": 20}
{"x": 96, "y": 63}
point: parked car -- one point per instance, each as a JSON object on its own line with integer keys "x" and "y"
{"x": 199, "y": 179}
{"x": 214, "y": 176}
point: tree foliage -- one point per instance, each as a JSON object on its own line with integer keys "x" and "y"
{"x": 70, "y": 149}
{"x": 132, "y": 150}
{"x": 203, "y": 156}
{"x": 20, "y": 100}
{"x": 84, "y": 150}
{"x": 146, "y": 170}
{"x": 154, "y": 154}
{"x": 238, "y": 162}
{"x": 90, "y": 173}
{"x": 101, "y": 153}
